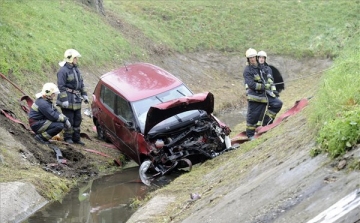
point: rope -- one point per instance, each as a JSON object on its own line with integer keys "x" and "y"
{"x": 3, "y": 76}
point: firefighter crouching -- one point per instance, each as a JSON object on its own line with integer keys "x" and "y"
{"x": 72, "y": 93}
{"x": 256, "y": 87}
{"x": 44, "y": 119}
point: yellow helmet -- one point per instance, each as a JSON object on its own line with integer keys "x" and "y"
{"x": 70, "y": 54}
{"x": 250, "y": 53}
{"x": 262, "y": 54}
{"x": 49, "y": 89}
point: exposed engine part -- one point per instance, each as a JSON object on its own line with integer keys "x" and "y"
{"x": 159, "y": 144}
{"x": 204, "y": 139}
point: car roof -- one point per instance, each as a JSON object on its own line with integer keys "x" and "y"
{"x": 140, "y": 80}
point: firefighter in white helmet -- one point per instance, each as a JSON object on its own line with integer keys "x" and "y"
{"x": 72, "y": 94}
{"x": 274, "y": 104}
{"x": 255, "y": 91}
{"x": 44, "y": 119}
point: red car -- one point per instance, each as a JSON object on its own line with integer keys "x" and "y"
{"x": 154, "y": 119}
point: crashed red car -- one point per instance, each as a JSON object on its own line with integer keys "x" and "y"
{"x": 153, "y": 118}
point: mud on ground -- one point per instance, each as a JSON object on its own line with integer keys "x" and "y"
{"x": 77, "y": 162}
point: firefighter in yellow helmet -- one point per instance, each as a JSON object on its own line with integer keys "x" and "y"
{"x": 256, "y": 93}
{"x": 44, "y": 119}
{"x": 274, "y": 104}
{"x": 72, "y": 94}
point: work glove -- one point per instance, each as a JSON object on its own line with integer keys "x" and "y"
{"x": 267, "y": 86}
{"x": 86, "y": 99}
{"x": 65, "y": 104}
{"x": 67, "y": 124}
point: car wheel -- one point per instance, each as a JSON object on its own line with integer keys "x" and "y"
{"x": 144, "y": 172}
{"x": 100, "y": 132}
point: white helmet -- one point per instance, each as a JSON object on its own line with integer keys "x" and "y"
{"x": 49, "y": 89}
{"x": 250, "y": 53}
{"x": 262, "y": 54}
{"x": 70, "y": 54}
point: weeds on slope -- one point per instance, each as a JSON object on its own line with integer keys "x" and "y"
{"x": 336, "y": 110}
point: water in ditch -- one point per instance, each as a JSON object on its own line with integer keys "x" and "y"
{"x": 104, "y": 200}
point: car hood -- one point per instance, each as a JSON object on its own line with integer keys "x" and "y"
{"x": 160, "y": 112}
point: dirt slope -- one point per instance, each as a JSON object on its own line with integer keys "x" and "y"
{"x": 286, "y": 186}
{"x": 275, "y": 185}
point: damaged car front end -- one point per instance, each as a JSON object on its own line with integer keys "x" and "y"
{"x": 193, "y": 136}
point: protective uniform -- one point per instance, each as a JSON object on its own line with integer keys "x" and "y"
{"x": 256, "y": 98}
{"x": 274, "y": 104}
{"x": 259, "y": 88}
{"x": 44, "y": 119}
{"x": 72, "y": 92}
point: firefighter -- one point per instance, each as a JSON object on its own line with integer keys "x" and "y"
{"x": 274, "y": 104}
{"x": 72, "y": 93}
{"x": 44, "y": 119}
{"x": 256, "y": 93}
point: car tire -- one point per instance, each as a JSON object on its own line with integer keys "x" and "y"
{"x": 144, "y": 167}
{"x": 100, "y": 132}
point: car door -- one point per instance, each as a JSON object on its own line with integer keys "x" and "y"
{"x": 106, "y": 114}
{"x": 124, "y": 128}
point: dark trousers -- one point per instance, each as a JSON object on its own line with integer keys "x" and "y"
{"x": 48, "y": 132}
{"x": 254, "y": 116}
{"x": 274, "y": 106}
{"x": 75, "y": 119}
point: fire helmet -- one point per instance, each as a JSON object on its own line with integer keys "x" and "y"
{"x": 49, "y": 89}
{"x": 262, "y": 54}
{"x": 250, "y": 53}
{"x": 70, "y": 54}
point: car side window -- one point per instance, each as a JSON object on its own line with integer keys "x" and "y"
{"x": 107, "y": 97}
{"x": 123, "y": 109}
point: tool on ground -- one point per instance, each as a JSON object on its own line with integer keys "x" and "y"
{"x": 59, "y": 157}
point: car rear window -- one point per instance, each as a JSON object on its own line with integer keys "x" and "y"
{"x": 107, "y": 97}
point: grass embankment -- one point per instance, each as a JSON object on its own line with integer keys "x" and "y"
{"x": 336, "y": 110}
{"x": 34, "y": 35}
{"x": 294, "y": 28}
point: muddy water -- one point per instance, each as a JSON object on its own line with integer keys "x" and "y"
{"x": 232, "y": 118}
{"x": 105, "y": 200}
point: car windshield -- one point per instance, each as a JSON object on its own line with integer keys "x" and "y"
{"x": 141, "y": 107}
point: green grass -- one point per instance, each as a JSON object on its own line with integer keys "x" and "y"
{"x": 35, "y": 35}
{"x": 339, "y": 135}
{"x": 340, "y": 87}
{"x": 295, "y": 28}
{"x": 336, "y": 108}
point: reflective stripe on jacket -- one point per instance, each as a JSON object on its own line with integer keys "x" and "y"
{"x": 71, "y": 86}
{"x": 255, "y": 85}
{"x": 43, "y": 109}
